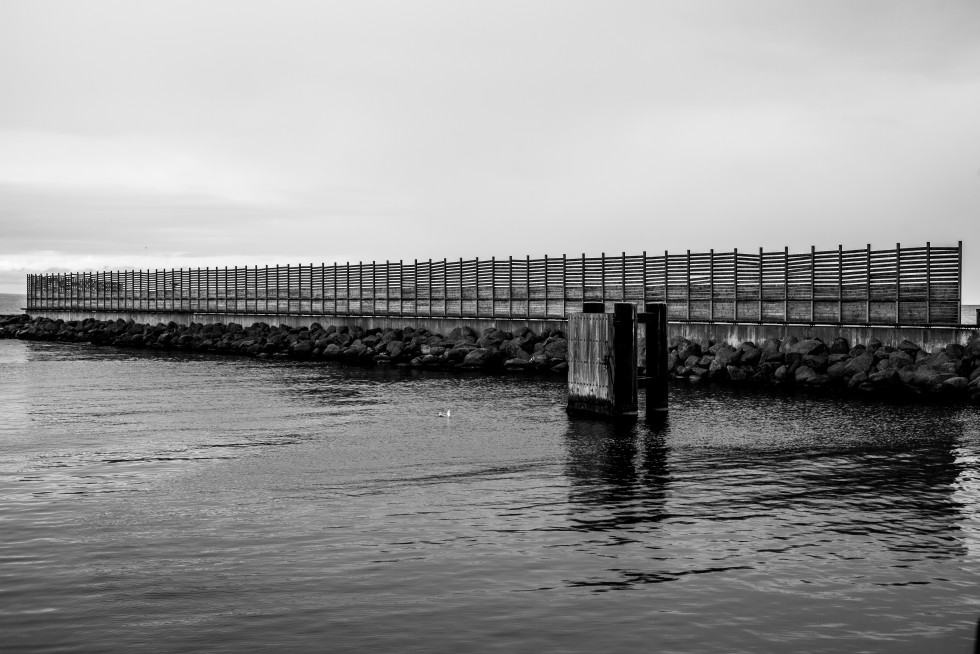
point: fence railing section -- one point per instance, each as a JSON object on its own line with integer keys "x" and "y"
{"x": 909, "y": 286}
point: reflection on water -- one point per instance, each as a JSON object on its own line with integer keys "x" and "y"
{"x": 163, "y": 502}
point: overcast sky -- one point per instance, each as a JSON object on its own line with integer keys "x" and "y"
{"x": 174, "y": 134}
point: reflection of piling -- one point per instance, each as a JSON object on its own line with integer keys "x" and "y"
{"x": 654, "y": 319}
{"x": 602, "y": 361}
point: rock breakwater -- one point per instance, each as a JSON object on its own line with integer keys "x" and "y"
{"x": 953, "y": 372}
{"x": 494, "y": 349}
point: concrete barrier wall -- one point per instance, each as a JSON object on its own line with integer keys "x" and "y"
{"x": 928, "y": 338}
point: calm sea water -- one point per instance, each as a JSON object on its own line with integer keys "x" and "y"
{"x": 165, "y": 503}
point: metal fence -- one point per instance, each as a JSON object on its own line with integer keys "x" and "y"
{"x": 908, "y": 286}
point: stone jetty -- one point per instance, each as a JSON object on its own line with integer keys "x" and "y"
{"x": 869, "y": 369}
{"x": 807, "y": 364}
{"x": 523, "y": 350}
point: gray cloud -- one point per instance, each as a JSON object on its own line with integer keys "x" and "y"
{"x": 295, "y": 131}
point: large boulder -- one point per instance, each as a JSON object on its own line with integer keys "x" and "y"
{"x": 840, "y": 346}
{"x": 862, "y": 363}
{"x": 492, "y": 338}
{"x": 688, "y": 349}
{"x": 809, "y": 346}
{"x": 751, "y": 355}
{"x": 815, "y": 361}
{"x": 900, "y": 358}
{"x": 736, "y": 374}
{"x": 556, "y": 348}
{"x": 726, "y": 355}
{"x": 805, "y": 374}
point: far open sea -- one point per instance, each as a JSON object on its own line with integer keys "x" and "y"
{"x": 160, "y": 502}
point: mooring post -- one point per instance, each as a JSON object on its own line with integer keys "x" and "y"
{"x": 602, "y": 361}
{"x": 978, "y": 316}
{"x": 624, "y": 358}
{"x": 654, "y": 320}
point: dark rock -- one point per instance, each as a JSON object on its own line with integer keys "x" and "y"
{"x": 492, "y": 338}
{"x": 816, "y": 362}
{"x": 884, "y": 378}
{"x": 955, "y": 350}
{"x": 688, "y": 349}
{"x": 726, "y": 355}
{"x": 861, "y": 363}
{"x": 900, "y": 359}
{"x": 773, "y": 357}
{"x": 782, "y": 373}
{"x": 956, "y": 384}
{"x": 857, "y": 351}
{"x": 556, "y": 347}
{"x": 926, "y": 377}
{"x": 837, "y": 370}
{"x": 804, "y": 374}
{"x": 750, "y": 355}
{"x": 809, "y": 346}
{"x": 736, "y": 374}
{"x": 857, "y": 379}
{"x": 840, "y": 346}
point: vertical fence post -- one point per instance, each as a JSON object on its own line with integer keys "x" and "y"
{"x": 623, "y": 275}
{"x": 415, "y": 286}
{"x": 813, "y": 277}
{"x": 461, "y": 287}
{"x": 510, "y": 287}
{"x": 840, "y": 285}
{"x": 928, "y": 283}
{"x": 667, "y": 280}
{"x": 959, "y": 282}
{"x": 493, "y": 287}
{"x": 868, "y": 274}
{"x": 786, "y": 284}
{"x": 476, "y": 277}
{"x": 564, "y": 286}
{"x": 643, "y": 299}
{"x": 546, "y": 286}
{"x": 711, "y": 285}
{"x": 689, "y": 286}
{"x": 735, "y": 258}
{"x": 761, "y": 277}
{"x": 898, "y": 283}
{"x": 602, "y": 278}
{"x": 401, "y": 287}
{"x": 527, "y": 286}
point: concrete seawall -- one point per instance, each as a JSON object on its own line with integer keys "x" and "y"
{"x": 928, "y": 338}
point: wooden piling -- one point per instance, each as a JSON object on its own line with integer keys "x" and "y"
{"x": 654, "y": 320}
{"x": 602, "y": 361}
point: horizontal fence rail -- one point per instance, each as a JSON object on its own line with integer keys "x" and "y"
{"x": 907, "y": 286}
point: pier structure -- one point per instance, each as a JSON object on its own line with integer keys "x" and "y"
{"x": 891, "y": 294}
